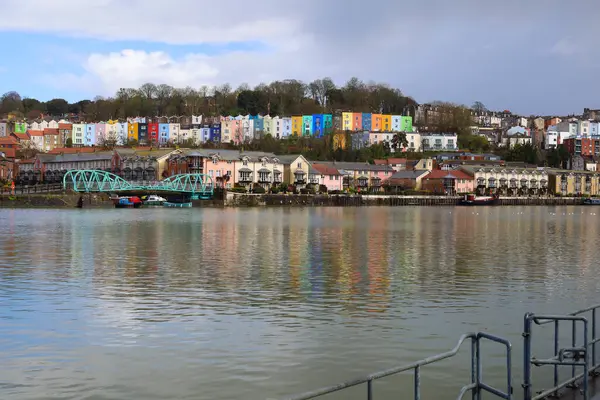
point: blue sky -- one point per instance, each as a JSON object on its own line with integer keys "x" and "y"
{"x": 531, "y": 57}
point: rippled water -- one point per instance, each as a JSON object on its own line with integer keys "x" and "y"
{"x": 262, "y": 303}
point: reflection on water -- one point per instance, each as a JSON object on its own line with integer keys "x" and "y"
{"x": 258, "y": 303}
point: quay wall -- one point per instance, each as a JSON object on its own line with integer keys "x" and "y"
{"x": 62, "y": 200}
{"x": 254, "y": 200}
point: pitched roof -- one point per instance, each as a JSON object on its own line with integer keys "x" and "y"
{"x": 8, "y": 140}
{"x": 390, "y": 161}
{"x": 35, "y": 132}
{"x": 409, "y": 174}
{"x": 72, "y": 150}
{"x": 326, "y": 169}
{"x": 21, "y": 136}
{"x": 65, "y": 126}
{"x": 57, "y": 158}
{"x": 51, "y": 131}
{"x": 441, "y": 174}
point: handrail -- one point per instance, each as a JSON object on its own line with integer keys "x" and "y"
{"x": 476, "y": 385}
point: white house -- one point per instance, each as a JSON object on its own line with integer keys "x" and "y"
{"x": 439, "y": 142}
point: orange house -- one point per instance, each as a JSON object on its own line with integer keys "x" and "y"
{"x": 356, "y": 121}
{"x": 386, "y": 123}
{"x": 376, "y": 122}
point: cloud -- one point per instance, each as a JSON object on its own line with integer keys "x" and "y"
{"x": 431, "y": 49}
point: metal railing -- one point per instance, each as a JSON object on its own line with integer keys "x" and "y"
{"x": 476, "y": 387}
{"x": 577, "y": 355}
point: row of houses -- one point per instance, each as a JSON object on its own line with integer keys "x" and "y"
{"x": 240, "y": 129}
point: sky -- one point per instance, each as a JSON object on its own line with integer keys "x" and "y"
{"x": 527, "y": 56}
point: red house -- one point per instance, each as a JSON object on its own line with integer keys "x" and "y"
{"x": 153, "y": 133}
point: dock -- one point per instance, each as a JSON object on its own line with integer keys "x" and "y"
{"x": 582, "y": 382}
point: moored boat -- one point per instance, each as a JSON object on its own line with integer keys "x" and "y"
{"x": 153, "y": 200}
{"x": 591, "y": 202}
{"x": 127, "y": 202}
{"x": 473, "y": 200}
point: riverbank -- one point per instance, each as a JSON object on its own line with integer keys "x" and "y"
{"x": 257, "y": 200}
{"x": 100, "y": 200}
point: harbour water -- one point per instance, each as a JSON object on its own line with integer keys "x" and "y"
{"x": 263, "y": 303}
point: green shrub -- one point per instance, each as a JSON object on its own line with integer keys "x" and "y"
{"x": 259, "y": 190}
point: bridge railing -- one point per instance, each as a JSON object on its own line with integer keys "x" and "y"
{"x": 476, "y": 386}
{"x": 580, "y": 355}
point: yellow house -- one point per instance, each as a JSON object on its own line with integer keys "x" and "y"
{"x": 346, "y": 121}
{"x": 297, "y": 122}
{"x": 386, "y": 123}
{"x": 567, "y": 182}
{"x": 132, "y": 131}
{"x": 295, "y": 169}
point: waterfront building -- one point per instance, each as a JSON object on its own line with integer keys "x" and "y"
{"x": 229, "y": 168}
{"x": 329, "y": 176}
{"x": 362, "y": 176}
{"x": 347, "y": 121}
{"x": 327, "y": 124}
{"x": 406, "y": 180}
{"x": 4, "y": 129}
{"x": 439, "y": 141}
{"x": 397, "y": 164}
{"x": 100, "y": 130}
{"x": 137, "y": 164}
{"x": 295, "y": 170}
{"x": 215, "y": 133}
{"x": 21, "y": 127}
{"x": 78, "y": 130}
{"x": 153, "y": 138}
{"x": 318, "y": 129}
{"x": 307, "y": 121}
{"x": 509, "y": 181}
{"x": 376, "y": 122}
{"x": 52, "y": 139}
{"x": 132, "y": 131}
{"x": 143, "y": 137}
{"x": 174, "y": 132}
{"x": 286, "y": 130}
{"x": 163, "y": 133}
{"x": 448, "y": 182}
{"x": 567, "y": 182}
{"x": 407, "y": 124}
{"x": 366, "y": 121}
{"x": 396, "y": 123}
{"x": 386, "y": 123}
{"x": 248, "y": 129}
{"x": 357, "y": 122}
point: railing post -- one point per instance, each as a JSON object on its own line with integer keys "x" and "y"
{"x": 369, "y": 389}
{"x": 593, "y": 338}
{"x": 574, "y": 344}
{"x": 417, "y": 383}
{"x": 586, "y": 363}
{"x": 527, "y": 357}
{"x": 556, "y": 349}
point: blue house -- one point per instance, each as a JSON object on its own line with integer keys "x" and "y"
{"x": 163, "y": 133}
{"x": 143, "y": 132}
{"x": 89, "y": 138}
{"x": 366, "y": 121}
{"x": 205, "y": 133}
{"x": 259, "y": 123}
{"x": 318, "y": 128}
{"x": 215, "y": 132}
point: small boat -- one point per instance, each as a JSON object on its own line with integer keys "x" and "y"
{"x": 153, "y": 200}
{"x": 591, "y": 202}
{"x": 170, "y": 204}
{"x": 127, "y": 202}
{"x": 472, "y": 200}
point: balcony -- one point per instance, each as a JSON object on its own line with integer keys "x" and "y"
{"x": 376, "y": 182}
{"x": 245, "y": 178}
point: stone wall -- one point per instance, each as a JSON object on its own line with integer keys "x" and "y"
{"x": 55, "y": 200}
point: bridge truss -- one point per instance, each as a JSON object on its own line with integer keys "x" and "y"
{"x": 90, "y": 181}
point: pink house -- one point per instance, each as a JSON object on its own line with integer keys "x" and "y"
{"x": 330, "y": 176}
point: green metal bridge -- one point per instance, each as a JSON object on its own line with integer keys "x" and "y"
{"x": 89, "y": 181}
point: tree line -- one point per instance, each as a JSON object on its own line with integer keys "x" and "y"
{"x": 287, "y": 97}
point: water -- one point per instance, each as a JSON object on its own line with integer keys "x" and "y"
{"x": 262, "y": 303}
